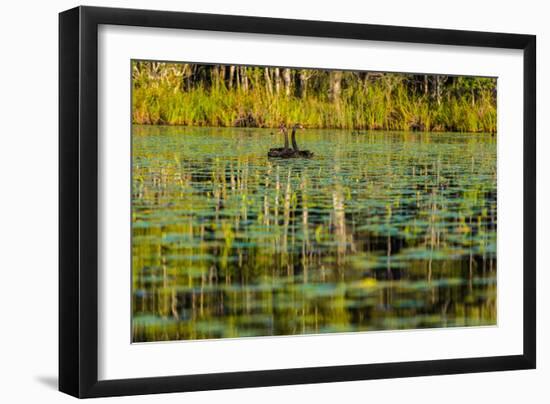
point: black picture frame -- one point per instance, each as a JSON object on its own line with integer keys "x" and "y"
{"x": 78, "y": 201}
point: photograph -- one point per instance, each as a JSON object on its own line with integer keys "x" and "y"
{"x": 277, "y": 201}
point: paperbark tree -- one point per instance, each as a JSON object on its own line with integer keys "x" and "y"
{"x": 304, "y": 76}
{"x": 287, "y": 78}
{"x": 244, "y": 78}
{"x": 231, "y": 74}
{"x": 277, "y": 74}
{"x": 267, "y": 78}
{"x": 335, "y": 83}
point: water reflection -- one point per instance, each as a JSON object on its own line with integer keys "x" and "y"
{"x": 378, "y": 231}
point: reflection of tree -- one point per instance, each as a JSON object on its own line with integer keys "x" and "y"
{"x": 339, "y": 221}
{"x": 239, "y": 246}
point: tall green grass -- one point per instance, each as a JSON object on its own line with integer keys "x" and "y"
{"x": 379, "y": 106}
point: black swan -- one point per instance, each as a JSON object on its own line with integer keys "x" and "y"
{"x": 286, "y": 152}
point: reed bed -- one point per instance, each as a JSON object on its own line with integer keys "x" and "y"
{"x": 388, "y": 102}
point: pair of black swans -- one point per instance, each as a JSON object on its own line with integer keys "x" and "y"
{"x": 286, "y": 152}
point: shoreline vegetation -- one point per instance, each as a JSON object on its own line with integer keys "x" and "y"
{"x": 265, "y": 97}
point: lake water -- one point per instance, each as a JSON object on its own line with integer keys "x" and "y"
{"x": 379, "y": 231}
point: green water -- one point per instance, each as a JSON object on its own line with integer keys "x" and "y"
{"x": 379, "y": 231}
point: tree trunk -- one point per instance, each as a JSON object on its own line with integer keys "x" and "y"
{"x": 438, "y": 89}
{"x": 267, "y": 79}
{"x": 335, "y": 86}
{"x": 365, "y": 86}
{"x": 222, "y": 75}
{"x": 185, "y": 72}
{"x": 215, "y": 76}
{"x": 304, "y": 77}
{"x": 277, "y": 80}
{"x": 287, "y": 80}
{"x": 425, "y": 84}
{"x": 231, "y": 74}
{"x": 244, "y": 79}
{"x": 439, "y": 81}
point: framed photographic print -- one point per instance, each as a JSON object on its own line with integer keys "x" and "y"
{"x": 251, "y": 201}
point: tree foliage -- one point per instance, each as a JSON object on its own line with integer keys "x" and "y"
{"x": 230, "y": 95}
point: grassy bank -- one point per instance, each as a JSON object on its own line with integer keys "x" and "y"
{"x": 386, "y": 101}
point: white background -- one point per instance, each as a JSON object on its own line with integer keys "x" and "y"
{"x": 121, "y": 360}
{"x": 28, "y": 202}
